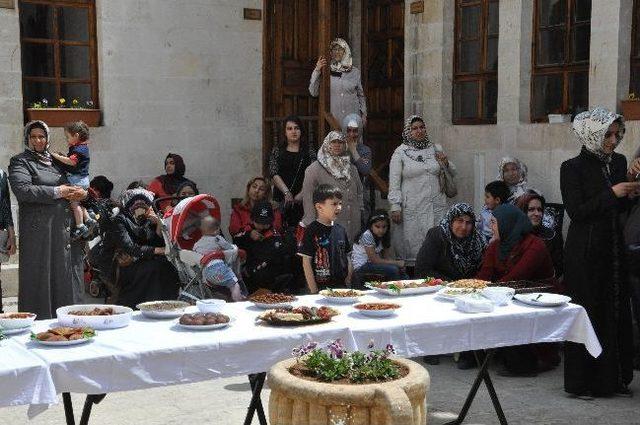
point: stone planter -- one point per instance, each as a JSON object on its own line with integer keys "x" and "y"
{"x": 58, "y": 117}
{"x": 297, "y": 401}
{"x": 631, "y": 109}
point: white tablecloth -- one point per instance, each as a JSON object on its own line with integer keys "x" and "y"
{"x": 151, "y": 353}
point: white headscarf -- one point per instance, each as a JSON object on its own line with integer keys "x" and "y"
{"x": 130, "y": 196}
{"x": 338, "y": 166}
{"x": 346, "y": 63}
{"x": 410, "y": 141}
{"x": 352, "y": 121}
{"x": 591, "y": 126}
{"x": 520, "y": 188}
{"x": 44, "y": 157}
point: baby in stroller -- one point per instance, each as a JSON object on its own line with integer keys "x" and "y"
{"x": 217, "y": 271}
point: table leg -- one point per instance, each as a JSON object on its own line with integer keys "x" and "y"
{"x": 88, "y": 404}
{"x": 68, "y": 409}
{"x": 256, "y": 381}
{"x": 483, "y": 376}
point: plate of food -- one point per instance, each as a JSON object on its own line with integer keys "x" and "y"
{"x": 272, "y": 300}
{"x": 203, "y": 321}
{"x": 298, "y": 316}
{"x": 341, "y": 296}
{"x": 407, "y": 287}
{"x": 15, "y": 331}
{"x": 96, "y": 316}
{"x": 377, "y": 309}
{"x": 450, "y": 294}
{"x": 543, "y": 299}
{"x": 63, "y": 336}
{"x": 18, "y": 320}
{"x": 469, "y": 284}
{"x": 162, "y": 309}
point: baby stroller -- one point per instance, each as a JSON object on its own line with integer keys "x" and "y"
{"x": 181, "y": 230}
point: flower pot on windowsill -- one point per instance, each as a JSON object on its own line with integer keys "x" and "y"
{"x": 631, "y": 109}
{"x": 559, "y": 118}
{"x": 58, "y": 117}
{"x": 294, "y": 400}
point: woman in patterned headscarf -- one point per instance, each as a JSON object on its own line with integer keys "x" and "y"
{"x": 595, "y": 189}
{"x": 416, "y": 198}
{"x": 347, "y": 96}
{"x": 513, "y": 172}
{"x": 334, "y": 167}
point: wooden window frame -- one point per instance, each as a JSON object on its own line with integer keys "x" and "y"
{"x": 634, "y": 80}
{"x": 483, "y": 76}
{"x": 553, "y": 69}
{"x": 57, "y": 79}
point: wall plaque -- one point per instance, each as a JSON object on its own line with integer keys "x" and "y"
{"x": 416, "y": 7}
{"x": 252, "y": 14}
{"x": 7, "y": 4}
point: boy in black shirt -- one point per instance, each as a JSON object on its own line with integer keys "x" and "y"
{"x": 325, "y": 245}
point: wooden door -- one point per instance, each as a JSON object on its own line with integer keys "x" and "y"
{"x": 383, "y": 77}
{"x": 290, "y": 49}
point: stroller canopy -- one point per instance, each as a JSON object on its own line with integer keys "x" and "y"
{"x": 183, "y": 222}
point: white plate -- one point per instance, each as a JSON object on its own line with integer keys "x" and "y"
{"x": 162, "y": 314}
{"x": 63, "y": 343}
{"x": 204, "y": 327}
{"x": 6, "y": 323}
{"x": 272, "y": 306}
{"x": 543, "y": 299}
{"x": 407, "y": 291}
{"x": 451, "y": 297}
{"x": 339, "y": 300}
{"x": 377, "y": 313}
{"x": 15, "y": 330}
{"x": 114, "y": 321}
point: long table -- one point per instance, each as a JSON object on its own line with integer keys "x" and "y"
{"x": 150, "y": 353}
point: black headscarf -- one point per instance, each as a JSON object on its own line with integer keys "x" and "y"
{"x": 466, "y": 253}
{"x": 513, "y": 225}
{"x": 170, "y": 182}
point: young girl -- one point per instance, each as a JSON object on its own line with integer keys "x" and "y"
{"x": 77, "y": 166}
{"x": 368, "y": 256}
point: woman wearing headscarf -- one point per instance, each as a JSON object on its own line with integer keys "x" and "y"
{"x": 287, "y": 164}
{"x": 595, "y": 189}
{"x": 144, "y": 272}
{"x": 513, "y": 172}
{"x": 516, "y": 254}
{"x": 51, "y": 272}
{"x": 184, "y": 190}
{"x": 347, "y": 96}
{"x": 167, "y": 184}
{"x": 452, "y": 250}
{"x": 417, "y": 200}
{"x": 361, "y": 157}
{"x": 334, "y": 167}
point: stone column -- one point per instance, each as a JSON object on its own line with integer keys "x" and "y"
{"x": 610, "y": 52}
{"x": 10, "y": 86}
{"x": 355, "y": 32}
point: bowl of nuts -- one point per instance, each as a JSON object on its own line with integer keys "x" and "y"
{"x": 270, "y": 300}
{"x": 376, "y": 309}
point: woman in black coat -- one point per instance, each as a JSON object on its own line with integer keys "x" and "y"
{"x": 595, "y": 191}
{"x": 149, "y": 276}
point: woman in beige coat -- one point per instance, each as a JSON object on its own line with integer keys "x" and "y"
{"x": 334, "y": 167}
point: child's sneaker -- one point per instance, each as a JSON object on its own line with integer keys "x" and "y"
{"x": 79, "y": 232}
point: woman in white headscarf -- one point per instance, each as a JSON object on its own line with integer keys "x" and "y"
{"x": 347, "y": 96}
{"x": 596, "y": 189}
{"x": 417, "y": 200}
{"x": 513, "y": 172}
{"x": 334, "y": 167}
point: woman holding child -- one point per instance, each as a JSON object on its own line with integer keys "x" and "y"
{"x": 51, "y": 270}
{"x": 258, "y": 190}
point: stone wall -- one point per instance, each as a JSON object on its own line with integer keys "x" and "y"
{"x": 476, "y": 149}
{"x": 181, "y": 76}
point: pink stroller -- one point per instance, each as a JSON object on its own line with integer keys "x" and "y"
{"x": 181, "y": 230}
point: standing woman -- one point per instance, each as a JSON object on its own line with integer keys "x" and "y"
{"x": 51, "y": 270}
{"x": 417, "y": 201}
{"x": 361, "y": 157}
{"x": 7, "y": 232}
{"x": 595, "y": 191}
{"x": 347, "y": 96}
{"x": 167, "y": 184}
{"x": 334, "y": 167}
{"x": 287, "y": 164}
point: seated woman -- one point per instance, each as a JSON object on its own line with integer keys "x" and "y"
{"x": 258, "y": 190}
{"x": 516, "y": 254}
{"x": 145, "y": 273}
{"x": 186, "y": 189}
{"x": 167, "y": 184}
{"x": 369, "y": 254}
{"x": 453, "y": 249}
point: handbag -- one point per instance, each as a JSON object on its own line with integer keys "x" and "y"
{"x": 447, "y": 183}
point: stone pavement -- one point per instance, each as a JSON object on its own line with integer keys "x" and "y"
{"x": 538, "y": 400}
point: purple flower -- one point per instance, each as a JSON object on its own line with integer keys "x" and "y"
{"x": 336, "y": 349}
{"x": 371, "y": 344}
{"x": 304, "y": 349}
{"x": 45, "y": 102}
{"x": 389, "y": 349}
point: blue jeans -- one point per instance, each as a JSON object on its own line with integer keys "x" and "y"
{"x": 390, "y": 271}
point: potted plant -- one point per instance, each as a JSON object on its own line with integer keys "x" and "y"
{"x": 64, "y": 112}
{"x": 332, "y": 386}
{"x": 631, "y": 107}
